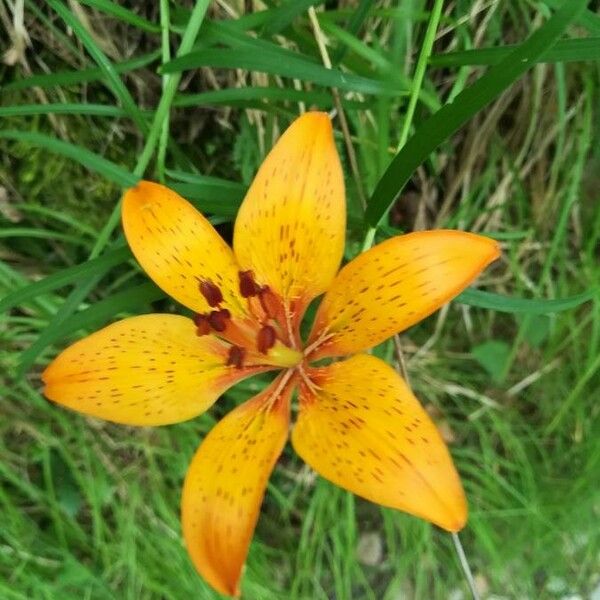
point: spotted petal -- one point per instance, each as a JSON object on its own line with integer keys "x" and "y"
{"x": 363, "y": 429}
{"x": 290, "y": 228}
{"x": 394, "y": 285}
{"x": 225, "y": 485}
{"x": 146, "y": 370}
{"x": 178, "y": 248}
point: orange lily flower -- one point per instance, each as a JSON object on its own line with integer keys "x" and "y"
{"x": 358, "y": 423}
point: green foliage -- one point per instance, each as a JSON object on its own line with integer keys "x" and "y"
{"x": 108, "y": 94}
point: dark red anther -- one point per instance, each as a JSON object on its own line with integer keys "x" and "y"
{"x": 236, "y": 357}
{"x": 218, "y": 319}
{"x": 211, "y": 293}
{"x": 266, "y": 339}
{"x": 269, "y": 302}
{"x": 248, "y": 287}
{"x": 202, "y": 325}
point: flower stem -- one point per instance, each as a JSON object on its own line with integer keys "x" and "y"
{"x": 464, "y": 563}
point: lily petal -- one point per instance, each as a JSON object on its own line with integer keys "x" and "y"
{"x": 145, "y": 370}
{"x": 395, "y": 285}
{"x": 363, "y": 429}
{"x": 226, "y": 482}
{"x": 290, "y": 228}
{"x": 178, "y": 248}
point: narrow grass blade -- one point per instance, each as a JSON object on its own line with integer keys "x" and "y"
{"x": 583, "y": 49}
{"x": 271, "y": 62}
{"x": 445, "y": 122}
{"x": 123, "y": 14}
{"x": 97, "y": 266}
{"x": 67, "y": 108}
{"x": 588, "y": 18}
{"x": 523, "y": 305}
{"x": 262, "y": 97}
{"x": 88, "y": 159}
{"x": 283, "y": 15}
{"x": 117, "y": 86}
{"x": 65, "y": 78}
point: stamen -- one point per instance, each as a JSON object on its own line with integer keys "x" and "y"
{"x": 248, "y": 286}
{"x": 236, "y": 357}
{"x": 202, "y": 325}
{"x": 266, "y": 339}
{"x": 269, "y": 302}
{"x": 218, "y": 319}
{"x": 211, "y": 292}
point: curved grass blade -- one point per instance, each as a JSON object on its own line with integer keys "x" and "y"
{"x": 123, "y": 14}
{"x": 64, "y": 78}
{"x": 583, "y": 49}
{"x": 67, "y": 108}
{"x": 532, "y": 306}
{"x": 271, "y": 62}
{"x": 97, "y": 266}
{"x": 230, "y": 95}
{"x": 88, "y": 159}
{"x": 283, "y": 15}
{"x": 115, "y": 83}
{"x": 446, "y": 121}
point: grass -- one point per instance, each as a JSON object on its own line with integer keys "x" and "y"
{"x": 91, "y": 510}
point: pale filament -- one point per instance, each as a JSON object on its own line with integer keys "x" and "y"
{"x": 323, "y": 337}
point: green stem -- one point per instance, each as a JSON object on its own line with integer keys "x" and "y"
{"x": 165, "y": 24}
{"x": 434, "y": 19}
{"x": 417, "y": 84}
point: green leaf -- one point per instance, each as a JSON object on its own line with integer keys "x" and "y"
{"x": 65, "y": 78}
{"x": 493, "y": 356}
{"x": 66, "y": 108}
{"x": 446, "y": 121}
{"x": 231, "y": 96}
{"x": 115, "y": 83}
{"x": 64, "y": 277}
{"x": 271, "y": 62}
{"x": 88, "y": 159}
{"x": 535, "y": 329}
{"x": 523, "y": 305}
{"x": 563, "y": 51}
{"x": 283, "y": 15}
{"x": 123, "y": 14}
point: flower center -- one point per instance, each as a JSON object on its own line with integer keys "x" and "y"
{"x": 261, "y": 335}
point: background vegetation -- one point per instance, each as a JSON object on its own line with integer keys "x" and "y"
{"x": 90, "y": 510}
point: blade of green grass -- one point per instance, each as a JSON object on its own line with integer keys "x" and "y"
{"x": 67, "y": 108}
{"x": 282, "y": 16}
{"x": 588, "y": 19}
{"x": 271, "y": 62}
{"x": 445, "y": 122}
{"x": 260, "y": 94}
{"x": 353, "y": 27}
{"x": 123, "y": 14}
{"x": 64, "y": 277}
{"x": 563, "y": 51}
{"x": 88, "y": 159}
{"x": 65, "y": 78}
{"x": 531, "y": 306}
{"x": 116, "y": 84}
